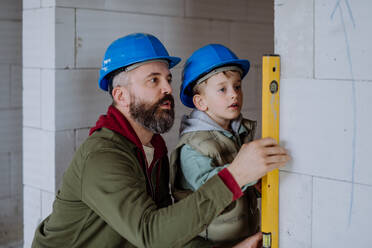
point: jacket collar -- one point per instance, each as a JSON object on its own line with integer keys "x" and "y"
{"x": 116, "y": 121}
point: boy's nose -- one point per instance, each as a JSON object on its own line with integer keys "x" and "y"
{"x": 234, "y": 93}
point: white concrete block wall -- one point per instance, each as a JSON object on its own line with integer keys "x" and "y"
{"x": 63, "y": 44}
{"x": 31, "y": 213}
{"x": 10, "y": 123}
{"x": 325, "y": 122}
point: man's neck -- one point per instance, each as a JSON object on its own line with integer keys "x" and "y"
{"x": 143, "y": 134}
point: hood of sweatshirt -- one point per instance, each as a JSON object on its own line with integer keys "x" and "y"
{"x": 200, "y": 121}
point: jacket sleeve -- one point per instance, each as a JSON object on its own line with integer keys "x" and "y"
{"x": 114, "y": 186}
{"x": 197, "y": 169}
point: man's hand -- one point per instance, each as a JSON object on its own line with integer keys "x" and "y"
{"x": 257, "y": 158}
{"x": 254, "y": 241}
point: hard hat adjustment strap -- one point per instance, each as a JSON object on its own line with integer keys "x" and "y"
{"x": 218, "y": 70}
{"x": 134, "y": 66}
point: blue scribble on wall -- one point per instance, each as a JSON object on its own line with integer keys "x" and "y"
{"x": 353, "y": 86}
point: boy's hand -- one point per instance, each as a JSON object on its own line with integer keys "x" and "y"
{"x": 257, "y": 158}
{"x": 254, "y": 241}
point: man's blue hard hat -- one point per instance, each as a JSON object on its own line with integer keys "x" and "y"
{"x": 203, "y": 61}
{"x": 131, "y": 49}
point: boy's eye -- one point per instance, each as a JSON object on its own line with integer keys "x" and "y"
{"x": 238, "y": 87}
{"x": 222, "y": 89}
{"x": 154, "y": 80}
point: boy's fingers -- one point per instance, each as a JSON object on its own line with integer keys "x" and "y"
{"x": 276, "y": 150}
{"x": 267, "y": 142}
{"x": 277, "y": 159}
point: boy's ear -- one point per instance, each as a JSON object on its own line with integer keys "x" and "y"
{"x": 199, "y": 102}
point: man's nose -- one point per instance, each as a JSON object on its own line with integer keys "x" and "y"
{"x": 166, "y": 87}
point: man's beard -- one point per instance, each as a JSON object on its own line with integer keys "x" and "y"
{"x": 153, "y": 117}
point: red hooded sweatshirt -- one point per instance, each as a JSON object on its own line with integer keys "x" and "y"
{"x": 115, "y": 121}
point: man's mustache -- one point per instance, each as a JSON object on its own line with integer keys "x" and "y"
{"x": 166, "y": 98}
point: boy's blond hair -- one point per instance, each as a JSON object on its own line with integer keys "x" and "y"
{"x": 199, "y": 88}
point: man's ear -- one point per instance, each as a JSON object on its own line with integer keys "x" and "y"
{"x": 199, "y": 102}
{"x": 121, "y": 97}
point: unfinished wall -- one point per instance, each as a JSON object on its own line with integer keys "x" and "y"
{"x": 10, "y": 123}
{"x": 64, "y": 42}
{"x": 326, "y": 87}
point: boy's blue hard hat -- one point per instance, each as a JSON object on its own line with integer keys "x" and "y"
{"x": 204, "y": 60}
{"x": 131, "y": 49}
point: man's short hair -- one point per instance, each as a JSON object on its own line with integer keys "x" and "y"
{"x": 113, "y": 79}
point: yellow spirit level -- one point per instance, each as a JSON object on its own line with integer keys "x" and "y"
{"x": 270, "y": 128}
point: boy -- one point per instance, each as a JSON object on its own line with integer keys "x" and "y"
{"x": 211, "y": 136}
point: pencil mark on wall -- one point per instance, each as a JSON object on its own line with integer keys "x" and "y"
{"x": 339, "y": 7}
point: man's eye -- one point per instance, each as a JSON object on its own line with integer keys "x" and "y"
{"x": 238, "y": 87}
{"x": 169, "y": 80}
{"x": 222, "y": 90}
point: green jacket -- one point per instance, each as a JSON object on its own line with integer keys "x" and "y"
{"x": 104, "y": 201}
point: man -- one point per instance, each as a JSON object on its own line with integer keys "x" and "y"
{"x": 116, "y": 191}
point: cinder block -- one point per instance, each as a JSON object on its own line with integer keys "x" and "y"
{"x": 16, "y": 86}
{"x": 31, "y": 4}
{"x": 10, "y": 42}
{"x": 85, "y": 101}
{"x": 363, "y": 169}
{"x": 316, "y": 126}
{"x": 97, "y": 29}
{"x": 47, "y": 199}
{"x": 184, "y": 36}
{"x": 80, "y": 136}
{"x": 10, "y": 130}
{"x": 294, "y": 35}
{"x": 64, "y": 145}
{"x": 48, "y": 101}
{"x": 11, "y": 10}
{"x": 39, "y": 158}
{"x": 84, "y": 4}
{"x": 32, "y": 97}
{"x": 48, "y": 3}
{"x": 5, "y": 169}
{"x": 31, "y": 212}
{"x": 38, "y": 38}
{"x": 295, "y": 209}
{"x": 251, "y": 41}
{"x": 342, "y": 45}
{"x": 4, "y": 86}
{"x": 10, "y": 221}
{"x": 16, "y": 187}
{"x": 236, "y": 10}
{"x": 64, "y": 38}
{"x": 331, "y": 206}
{"x": 159, "y": 7}
{"x": 251, "y": 89}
